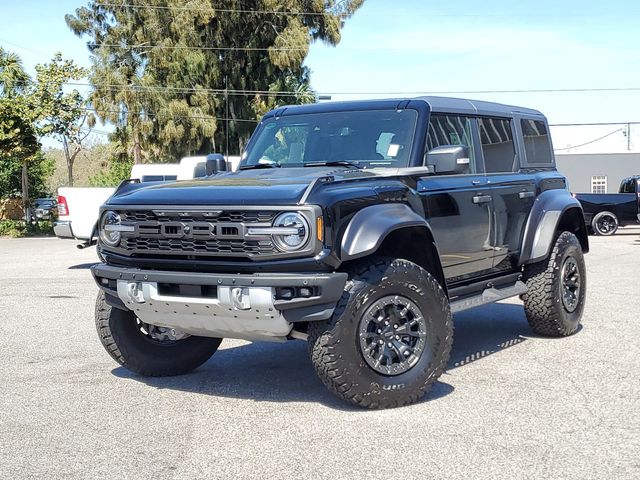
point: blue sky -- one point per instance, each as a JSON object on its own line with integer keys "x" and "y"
{"x": 411, "y": 46}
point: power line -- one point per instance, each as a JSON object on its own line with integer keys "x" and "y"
{"x": 223, "y": 119}
{"x": 293, "y": 93}
{"x": 590, "y": 142}
{"x": 370, "y": 48}
{"x": 369, "y": 14}
{"x": 152, "y": 114}
{"x": 186, "y": 47}
{"x": 596, "y": 124}
{"x": 225, "y": 10}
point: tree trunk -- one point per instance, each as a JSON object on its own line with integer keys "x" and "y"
{"x": 25, "y": 192}
{"x": 137, "y": 150}
{"x": 67, "y": 156}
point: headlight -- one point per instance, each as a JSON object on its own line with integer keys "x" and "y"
{"x": 110, "y": 228}
{"x": 290, "y": 231}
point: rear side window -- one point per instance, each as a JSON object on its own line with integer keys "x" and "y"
{"x": 537, "y": 144}
{"x": 498, "y": 147}
{"x": 629, "y": 186}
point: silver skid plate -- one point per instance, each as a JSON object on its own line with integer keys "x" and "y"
{"x": 246, "y": 313}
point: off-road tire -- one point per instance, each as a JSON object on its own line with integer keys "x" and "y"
{"x": 122, "y": 339}
{"x": 334, "y": 344}
{"x": 543, "y": 303}
{"x": 596, "y": 228}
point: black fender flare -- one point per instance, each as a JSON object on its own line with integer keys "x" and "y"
{"x": 548, "y": 211}
{"x": 370, "y": 226}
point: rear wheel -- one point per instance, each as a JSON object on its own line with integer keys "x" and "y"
{"x": 147, "y": 349}
{"x": 605, "y": 223}
{"x": 556, "y": 289}
{"x": 389, "y": 339}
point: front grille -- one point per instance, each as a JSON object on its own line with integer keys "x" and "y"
{"x": 193, "y": 233}
{"x": 190, "y": 246}
{"x": 239, "y": 216}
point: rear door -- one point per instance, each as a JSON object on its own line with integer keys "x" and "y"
{"x": 513, "y": 192}
{"x": 459, "y": 207}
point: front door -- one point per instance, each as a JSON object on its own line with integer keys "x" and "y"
{"x": 459, "y": 207}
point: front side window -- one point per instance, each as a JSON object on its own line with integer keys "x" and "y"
{"x": 498, "y": 147}
{"x": 454, "y": 130}
{"x": 375, "y": 138}
{"x": 537, "y": 143}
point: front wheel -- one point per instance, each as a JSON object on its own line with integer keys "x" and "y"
{"x": 556, "y": 289}
{"x": 146, "y": 349}
{"x": 605, "y": 224}
{"x": 389, "y": 339}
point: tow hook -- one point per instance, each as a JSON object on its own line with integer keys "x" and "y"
{"x": 134, "y": 291}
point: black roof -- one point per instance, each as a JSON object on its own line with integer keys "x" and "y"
{"x": 435, "y": 104}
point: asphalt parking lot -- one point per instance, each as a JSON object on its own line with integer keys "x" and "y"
{"x": 511, "y": 405}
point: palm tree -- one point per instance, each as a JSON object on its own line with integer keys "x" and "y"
{"x": 13, "y": 83}
{"x": 13, "y": 78}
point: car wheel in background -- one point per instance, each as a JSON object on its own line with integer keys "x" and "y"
{"x": 604, "y": 223}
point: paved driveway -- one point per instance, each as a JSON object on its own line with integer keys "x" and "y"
{"x": 511, "y": 405}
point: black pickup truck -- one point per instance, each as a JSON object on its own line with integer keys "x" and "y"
{"x": 605, "y": 212}
{"x": 359, "y": 227}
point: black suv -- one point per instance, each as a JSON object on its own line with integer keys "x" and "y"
{"x": 358, "y": 226}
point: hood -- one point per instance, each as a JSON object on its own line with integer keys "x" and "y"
{"x": 270, "y": 186}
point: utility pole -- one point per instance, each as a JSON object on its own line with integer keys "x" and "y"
{"x": 628, "y": 137}
{"x": 226, "y": 97}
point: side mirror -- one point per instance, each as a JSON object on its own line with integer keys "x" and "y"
{"x": 215, "y": 163}
{"x": 450, "y": 159}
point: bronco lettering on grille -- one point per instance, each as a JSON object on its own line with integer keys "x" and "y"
{"x": 202, "y": 230}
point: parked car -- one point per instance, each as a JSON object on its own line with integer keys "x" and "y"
{"x": 78, "y": 207}
{"x": 605, "y": 212}
{"x": 43, "y": 209}
{"x": 357, "y": 226}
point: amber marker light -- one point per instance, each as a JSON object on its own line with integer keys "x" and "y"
{"x": 320, "y": 228}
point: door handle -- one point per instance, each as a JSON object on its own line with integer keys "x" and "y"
{"x": 482, "y": 199}
{"x": 526, "y": 194}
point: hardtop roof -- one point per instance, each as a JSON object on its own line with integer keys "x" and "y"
{"x": 435, "y": 104}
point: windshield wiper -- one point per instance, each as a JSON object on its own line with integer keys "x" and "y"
{"x": 260, "y": 165}
{"x": 334, "y": 163}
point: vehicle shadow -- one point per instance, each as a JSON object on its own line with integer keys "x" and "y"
{"x": 283, "y": 373}
{"x": 487, "y": 330}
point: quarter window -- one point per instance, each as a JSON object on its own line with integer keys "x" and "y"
{"x": 498, "y": 147}
{"x": 599, "y": 184}
{"x": 537, "y": 144}
{"x": 452, "y": 130}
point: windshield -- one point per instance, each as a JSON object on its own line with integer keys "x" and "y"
{"x": 368, "y": 139}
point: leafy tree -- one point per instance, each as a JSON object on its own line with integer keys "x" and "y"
{"x": 39, "y": 169}
{"x": 115, "y": 171}
{"x": 18, "y": 134}
{"x": 63, "y": 115}
{"x": 167, "y": 74}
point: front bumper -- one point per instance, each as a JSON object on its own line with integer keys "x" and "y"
{"x": 221, "y": 305}
{"x": 63, "y": 229}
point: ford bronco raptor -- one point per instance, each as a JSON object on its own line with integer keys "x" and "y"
{"x": 357, "y": 226}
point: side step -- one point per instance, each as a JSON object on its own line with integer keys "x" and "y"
{"x": 490, "y": 295}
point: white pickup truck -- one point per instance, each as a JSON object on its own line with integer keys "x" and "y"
{"x": 78, "y": 207}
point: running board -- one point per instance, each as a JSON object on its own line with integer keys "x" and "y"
{"x": 490, "y": 295}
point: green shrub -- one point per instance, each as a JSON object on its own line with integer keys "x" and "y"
{"x": 17, "y": 229}
{"x": 11, "y": 228}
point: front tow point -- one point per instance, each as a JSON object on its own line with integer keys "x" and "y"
{"x": 240, "y": 298}
{"x": 134, "y": 292}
